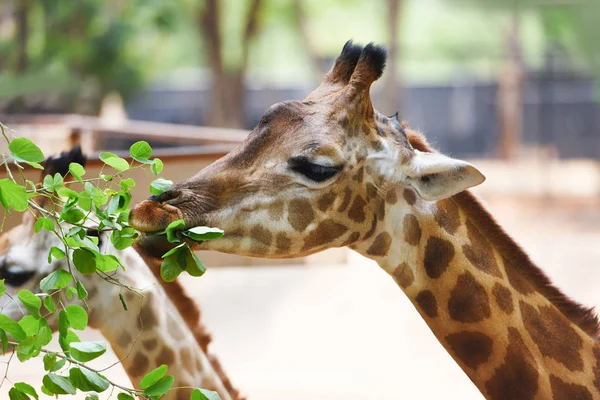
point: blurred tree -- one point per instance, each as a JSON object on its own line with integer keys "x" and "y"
{"x": 228, "y": 81}
{"x": 78, "y": 50}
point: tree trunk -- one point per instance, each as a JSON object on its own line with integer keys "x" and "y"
{"x": 22, "y": 29}
{"x": 509, "y": 97}
{"x": 228, "y": 89}
{"x": 391, "y": 91}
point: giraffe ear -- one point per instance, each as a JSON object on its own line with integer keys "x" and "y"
{"x": 435, "y": 176}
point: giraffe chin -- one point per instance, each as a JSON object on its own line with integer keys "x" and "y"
{"x": 151, "y": 216}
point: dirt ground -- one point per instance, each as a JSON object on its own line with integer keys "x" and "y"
{"x": 346, "y": 332}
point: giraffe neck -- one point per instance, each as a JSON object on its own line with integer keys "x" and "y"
{"x": 151, "y": 332}
{"x": 493, "y": 315}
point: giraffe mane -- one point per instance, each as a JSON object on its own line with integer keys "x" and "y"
{"x": 582, "y": 316}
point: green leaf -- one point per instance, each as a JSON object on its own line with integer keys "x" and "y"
{"x": 44, "y": 335}
{"x": 87, "y": 351}
{"x": 11, "y": 327}
{"x": 127, "y": 183}
{"x": 46, "y": 391}
{"x": 203, "y": 394}
{"x": 77, "y": 316}
{"x": 31, "y": 302}
{"x": 193, "y": 265}
{"x": 25, "y": 388}
{"x": 82, "y": 293}
{"x": 172, "y": 230}
{"x": 49, "y": 304}
{"x": 77, "y": 171}
{"x": 85, "y": 261}
{"x": 201, "y": 233}
{"x": 153, "y": 376}
{"x": 57, "y": 384}
{"x": 106, "y": 262}
{"x": 63, "y": 323}
{"x": 157, "y": 166}
{"x": 170, "y": 268}
{"x": 26, "y": 349}
{"x": 56, "y": 280}
{"x": 4, "y": 340}
{"x": 114, "y": 161}
{"x": 70, "y": 292}
{"x": 160, "y": 185}
{"x": 2, "y": 287}
{"x": 88, "y": 381}
{"x": 12, "y": 196}
{"x": 92, "y": 396}
{"x": 123, "y": 239}
{"x": 55, "y": 253}
{"x": 161, "y": 387}
{"x": 43, "y": 223}
{"x": 124, "y": 396}
{"x": 49, "y": 361}
{"x": 66, "y": 340}
{"x": 23, "y": 149}
{"x": 122, "y": 298}
{"x": 15, "y": 394}
{"x": 30, "y": 325}
{"x": 72, "y": 215}
{"x": 59, "y": 364}
{"x": 141, "y": 151}
{"x": 66, "y": 192}
{"x": 52, "y": 184}
{"x": 174, "y": 250}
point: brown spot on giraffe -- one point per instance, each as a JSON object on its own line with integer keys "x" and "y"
{"x": 480, "y": 252}
{"x": 357, "y": 210}
{"x": 517, "y": 378}
{"x": 149, "y": 344}
{"x": 391, "y": 197}
{"x": 166, "y": 356}
{"x": 353, "y": 238}
{"x": 469, "y": 300}
{"x": 381, "y": 245}
{"x": 562, "y": 390}
{"x": 359, "y": 176}
{"x": 185, "y": 356}
{"x": 404, "y": 275}
{"x": 139, "y": 365}
{"x": 503, "y": 298}
{"x": 345, "y": 200}
{"x": 325, "y": 232}
{"x": 147, "y": 318}
{"x": 371, "y": 190}
{"x": 597, "y": 368}
{"x": 426, "y": 300}
{"x": 447, "y": 215}
{"x": 412, "y": 230}
{"x": 381, "y": 210}
{"x": 262, "y": 236}
{"x": 470, "y": 347}
{"x": 124, "y": 339}
{"x": 409, "y": 196}
{"x": 553, "y": 335}
{"x": 372, "y": 229}
{"x": 282, "y": 242}
{"x": 300, "y": 214}
{"x": 276, "y": 210}
{"x": 326, "y": 201}
{"x": 438, "y": 254}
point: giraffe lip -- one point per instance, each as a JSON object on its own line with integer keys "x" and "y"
{"x": 150, "y": 216}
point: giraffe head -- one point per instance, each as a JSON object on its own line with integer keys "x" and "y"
{"x": 310, "y": 175}
{"x": 23, "y": 253}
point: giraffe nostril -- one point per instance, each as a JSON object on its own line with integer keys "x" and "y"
{"x": 165, "y": 196}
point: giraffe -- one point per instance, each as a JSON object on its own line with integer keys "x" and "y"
{"x": 330, "y": 171}
{"x": 161, "y": 327}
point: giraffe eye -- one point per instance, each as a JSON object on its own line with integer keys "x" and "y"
{"x": 314, "y": 172}
{"x": 15, "y": 277}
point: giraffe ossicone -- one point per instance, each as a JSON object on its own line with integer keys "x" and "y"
{"x": 330, "y": 171}
{"x": 161, "y": 325}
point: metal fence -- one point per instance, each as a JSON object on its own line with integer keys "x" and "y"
{"x": 459, "y": 118}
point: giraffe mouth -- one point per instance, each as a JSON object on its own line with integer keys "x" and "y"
{"x": 151, "y": 216}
